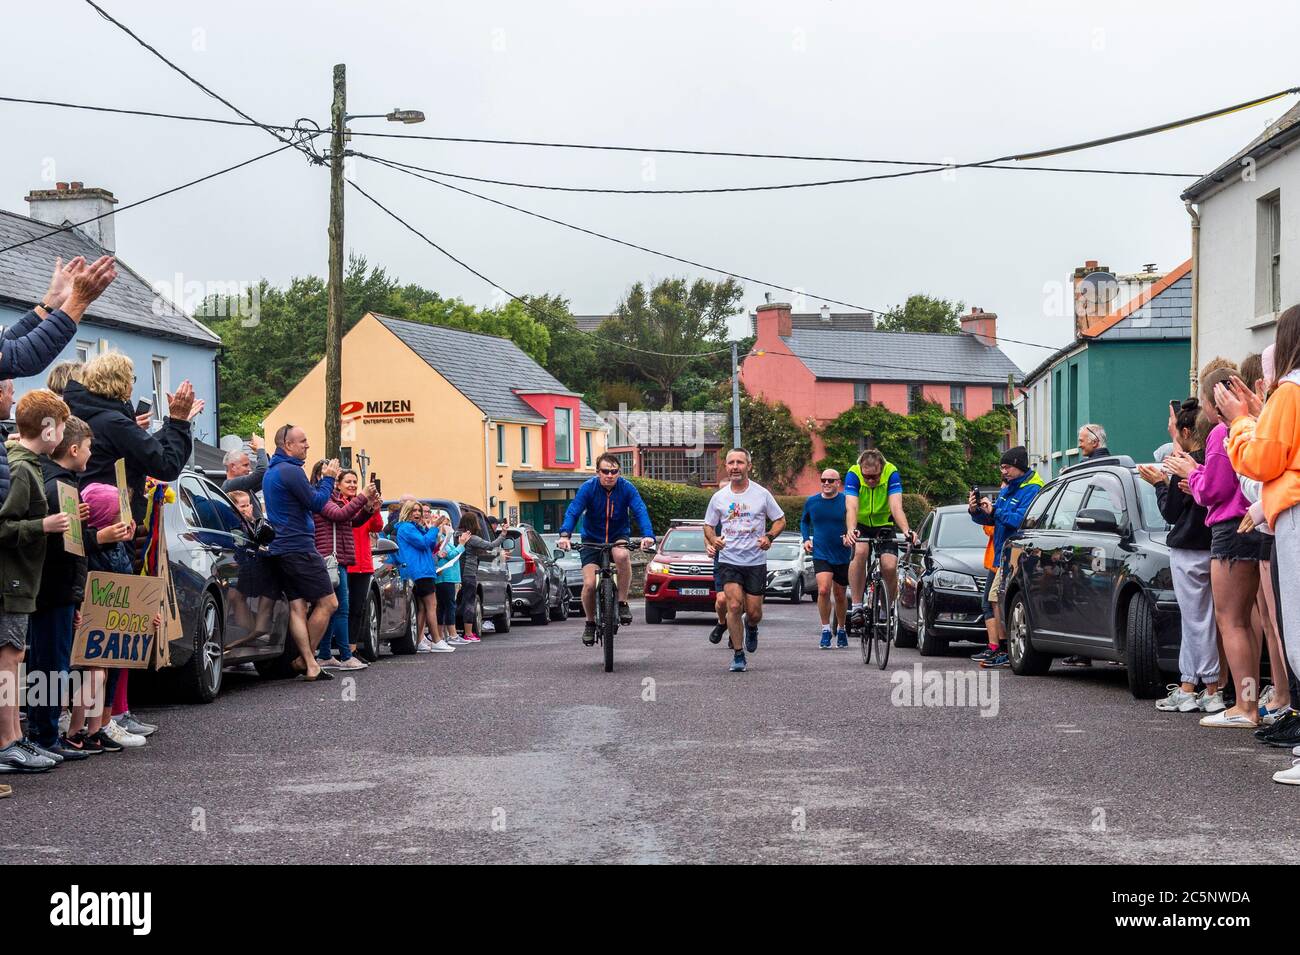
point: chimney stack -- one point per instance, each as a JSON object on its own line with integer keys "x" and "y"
{"x": 1096, "y": 292}
{"x": 73, "y": 202}
{"x": 774, "y": 319}
{"x": 983, "y": 325}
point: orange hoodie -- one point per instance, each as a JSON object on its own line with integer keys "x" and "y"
{"x": 1268, "y": 450}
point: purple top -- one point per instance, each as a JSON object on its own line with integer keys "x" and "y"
{"x": 1214, "y": 484}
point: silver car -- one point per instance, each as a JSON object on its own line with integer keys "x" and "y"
{"x": 571, "y": 564}
{"x": 789, "y": 570}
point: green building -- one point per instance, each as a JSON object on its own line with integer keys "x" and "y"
{"x": 1120, "y": 372}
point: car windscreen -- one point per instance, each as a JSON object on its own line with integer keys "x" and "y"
{"x": 958, "y": 530}
{"x": 784, "y": 550}
{"x": 685, "y": 540}
{"x": 1149, "y": 505}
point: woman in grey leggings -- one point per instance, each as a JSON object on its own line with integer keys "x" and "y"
{"x": 476, "y": 548}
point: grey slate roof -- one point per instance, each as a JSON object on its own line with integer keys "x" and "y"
{"x": 128, "y": 303}
{"x": 589, "y": 323}
{"x": 486, "y": 369}
{"x": 838, "y": 321}
{"x": 900, "y": 356}
{"x": 1167, "y": 316}
{"x": 1279, "y": 135}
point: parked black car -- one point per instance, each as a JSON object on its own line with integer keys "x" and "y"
{"x": 1089, "y": 574}
{"x": 538, "y": 589}
{"x": 493, "y": 600}
{"x": 941, "y": 583}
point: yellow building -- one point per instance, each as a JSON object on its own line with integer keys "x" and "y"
{"x": 441, "y": 412}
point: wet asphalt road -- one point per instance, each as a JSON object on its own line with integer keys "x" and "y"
{"x": 522, "y": 749}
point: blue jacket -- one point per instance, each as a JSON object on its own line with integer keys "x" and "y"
{"x": 290, "y": 503}
{"x": 1009, "y": 510}
{"x": 26, "y": 348}
{"x": 608, "y": 513}
{"x": 452, "y": 574}
{"x": 415, "y": 551}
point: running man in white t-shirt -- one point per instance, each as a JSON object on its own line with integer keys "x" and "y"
{"x": 743, "y": 509}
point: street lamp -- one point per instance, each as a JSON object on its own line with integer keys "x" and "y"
{"x": 334, "y": 316}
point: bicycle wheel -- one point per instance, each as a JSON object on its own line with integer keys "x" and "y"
{"x": 607, "y": 595}
{"x": 863, "y": 632}
{"x": 880, "y": 629}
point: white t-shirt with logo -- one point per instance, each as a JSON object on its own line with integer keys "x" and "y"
{"x": 744, "y": 518}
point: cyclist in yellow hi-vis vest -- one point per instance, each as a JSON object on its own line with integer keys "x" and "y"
{"x": 873, "y": 494}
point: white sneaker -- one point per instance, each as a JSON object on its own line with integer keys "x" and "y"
{"x": 1178, "y": 700}
{"x": 1210, "y": 702}
{"x": 120, "y": 736}
{"x": 425, "y": 646}
{"x": 458, "y": 641}
{"x": 1295, "y": 750}
{"x": 441, "y": 647}
{"x": 1224, "y": 721}
{"x": 1290, "y": 777}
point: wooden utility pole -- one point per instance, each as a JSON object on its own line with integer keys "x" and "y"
{"x": 334, "y": 320}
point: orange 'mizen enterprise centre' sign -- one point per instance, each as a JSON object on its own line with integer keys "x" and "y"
{"x": 391, "y": 411}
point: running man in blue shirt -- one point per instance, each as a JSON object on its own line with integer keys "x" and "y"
{"x": 822, "y": 528}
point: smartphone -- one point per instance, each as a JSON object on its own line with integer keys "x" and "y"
{"x": 1174, "y": 405}
{"x": 143, "y": 406}
{"x": 375, "y": 479}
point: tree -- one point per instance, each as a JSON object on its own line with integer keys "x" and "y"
{"x": 778, "y": 446}
{"x": 512, "y": 320}
{"x": 922, "y": 313}
{"x": 937, "y": 453}
{"x": 571, "y": 352}
{"x": 674, "y": 321}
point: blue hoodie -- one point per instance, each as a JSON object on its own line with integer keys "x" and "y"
{"x": 415, "y": 551}
{"x": 608, "y": 513}
{"x": 290, "y": 503}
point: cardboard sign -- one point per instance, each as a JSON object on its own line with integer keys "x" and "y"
{"x": 123, "y": 492}
{"x": 117, "y": 621}
{"x": 69, "y": 503}
{"x": 172, "y": 629}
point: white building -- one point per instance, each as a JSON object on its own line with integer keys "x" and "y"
{"x": 1248, "y": 263}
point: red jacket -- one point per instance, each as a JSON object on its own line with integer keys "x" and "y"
{"x": 364, "y": 562}
{"x": 334, "y": 527}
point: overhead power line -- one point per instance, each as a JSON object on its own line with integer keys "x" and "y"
{"x": 140, "y": 202}
{"x": 295, "y": 142}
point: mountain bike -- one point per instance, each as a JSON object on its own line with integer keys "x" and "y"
{"x": 606, "y": 599}
{"x": 877, "y": 627}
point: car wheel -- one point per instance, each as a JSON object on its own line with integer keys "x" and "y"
{"x": 904, "y": 636}
{"x": 1144, "y": 679}
{"x": 928, "y": 644}
{"x": 668, "y": 614}
{"x": 368, "y": 645}
{"x": 560, "y": 612}
{"x": 201, "y": 678}
{"x": 796, "y": 592}
{"x": 1025, "y": 660}
{"x": 542, "y": 616}
{"x": 478, "y": 614}
{"x": 652, "y": 613}
{"x": 410, "y": 639}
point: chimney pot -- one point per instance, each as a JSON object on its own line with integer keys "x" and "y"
{"x": 61, "y": 186}
{"x": 75, "y": 186}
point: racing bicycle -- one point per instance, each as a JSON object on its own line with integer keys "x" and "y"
{"x": 878, "y": 626}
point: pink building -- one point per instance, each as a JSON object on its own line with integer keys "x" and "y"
{"x": 822, "y": 370}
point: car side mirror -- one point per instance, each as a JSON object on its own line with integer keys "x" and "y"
{"x": 508, "y": 545}
{"x": 1098, "y": 521}
{"x": 560, "y": 554}
{"x": 384, "y": 546}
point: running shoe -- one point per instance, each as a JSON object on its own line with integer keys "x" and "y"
{"x": 842, "y": 638}
{"x": 717, "y": 633}
{"x": 133, "y": 725}
{"x": 738, "y": 662}
{"x": 589, "y": 634}
{"x": 999, "y": 661}
{"x": 751, "y": 639}
{"x": 1178, "y": 700}
{"x": 826, "y": 638}
{"x": 624, "y": 614}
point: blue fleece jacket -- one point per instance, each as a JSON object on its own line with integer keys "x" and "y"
{"x": 415, "y": 551}
{"x": 1009, "y": 510}
{"x": 290, "y": 503}
{"x": 607, "y": 513}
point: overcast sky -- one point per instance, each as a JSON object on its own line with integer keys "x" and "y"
{"x": 931, "y": 82}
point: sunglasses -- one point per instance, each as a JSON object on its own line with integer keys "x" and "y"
{"x": 608, "y": 471}
{"x": 829, "y": 480}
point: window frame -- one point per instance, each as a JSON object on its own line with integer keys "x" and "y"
{"x": 523, "y": 446}
{"x": 501, "y": 445}
{"x": 567, "y": 446}
{"x": 160, "y": 374}
{"x": 957, "y": 399}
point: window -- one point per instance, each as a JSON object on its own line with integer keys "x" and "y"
{"x": 957, "y": 399}
{"x": 564, "y": 435}
{"x": 586, "y": 436}
{"x": 915, "y": 395}
{"x": 159, "y": 386}
{"x": 680, "y": 467}
{"x": 1268, "y": 255}
{"x": 1072, "y": 407}
{"x": 1070, "y": 499}
{"x": 84, "y": 350}
{"x": 1038, "y": 507}
{"x": 625, "y": 462}
{"x": 927, "y": 525}
{"x": 523, "y": 444}
{"x": 501, "y": 444}
{"x": 1107, "y": 496}
{"x": 861, "y": 393}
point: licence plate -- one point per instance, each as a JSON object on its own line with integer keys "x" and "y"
{"x": 694, "y": 591}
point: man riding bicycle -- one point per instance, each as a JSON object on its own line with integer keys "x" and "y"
{"x": 873, "y": 513}
{"x": 605, "y": 504}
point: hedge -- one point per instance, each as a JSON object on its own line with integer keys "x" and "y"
{"x": 667, "y": 501}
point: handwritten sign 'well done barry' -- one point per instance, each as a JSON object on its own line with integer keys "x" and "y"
{"x": 117, "y": 618}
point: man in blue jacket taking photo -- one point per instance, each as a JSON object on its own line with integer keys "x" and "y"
{"x": 605, "y": 504}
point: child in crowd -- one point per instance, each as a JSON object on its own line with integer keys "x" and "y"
{"x": 1264, "y": 444}
{"x": 24, "y": 523}
{"x": 1189, "y": 560}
